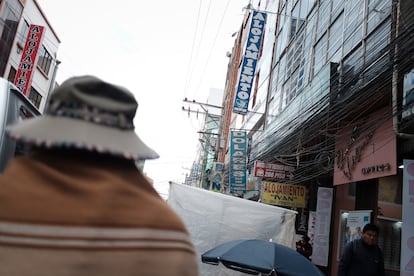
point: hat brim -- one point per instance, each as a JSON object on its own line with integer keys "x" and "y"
{"x": 53, "y": 131}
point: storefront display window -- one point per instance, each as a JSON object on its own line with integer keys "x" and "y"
{"x": 389, "y": 239}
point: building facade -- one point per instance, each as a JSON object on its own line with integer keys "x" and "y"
{"x": 331, "y": 98}
{"x": 17, "y": 17}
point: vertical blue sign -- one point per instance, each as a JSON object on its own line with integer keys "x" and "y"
{"x": 238, "y": 162}
{"x": 248, "y": 68}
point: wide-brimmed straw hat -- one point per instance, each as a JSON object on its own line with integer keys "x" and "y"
{"x": 87, "y": 113}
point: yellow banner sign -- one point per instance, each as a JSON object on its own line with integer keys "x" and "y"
{"x": 284, "y": 194}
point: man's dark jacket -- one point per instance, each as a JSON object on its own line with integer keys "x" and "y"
{"x": 360, "y": 259}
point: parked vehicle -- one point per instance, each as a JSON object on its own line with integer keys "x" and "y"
{"x": 13, "y": 106}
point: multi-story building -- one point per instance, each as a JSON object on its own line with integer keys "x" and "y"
{"x": 337, "y": 107}
{"x": 16, "y": 18}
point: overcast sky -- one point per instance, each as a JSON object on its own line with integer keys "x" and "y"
{"x": 163, "y": 51}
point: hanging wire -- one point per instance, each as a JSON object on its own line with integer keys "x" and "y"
{"x": 357, "y": 94}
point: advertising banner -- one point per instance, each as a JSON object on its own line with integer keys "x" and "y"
{"x": 217, "y": 177}
{"x": 282, "y": 194}
{"x": 355, "y": 222}
{"x": 29, "y": 57}
{"x": 273, "y": 170}
{"x": 320, "y": 254}
{"x": 248, "y": 67}
{"x": 238, "y": 162}
{"x": 407, "y": 230}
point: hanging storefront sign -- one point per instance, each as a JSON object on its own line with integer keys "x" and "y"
{"x": 281, "y": 194}
{"x": 217, "y": 177}
{"x": 248, "y": 67}
{"x": 273, "y": 170}
{"x": 407, "y": 230}
{"x": 320, "y": 254}
{"x": 29, "y": 58}
{"x": 238, "y": 162}
{"x": 366, "y": 149}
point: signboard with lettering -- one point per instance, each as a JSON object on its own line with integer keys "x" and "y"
{"x": 238, "y": 162}
{"x": 273, "y": 170}
{"x": 217, "y": 177}
{"x": 29, "y": 57}
{"x": 248, "y": 68}
{"x": 281, "y": 194}
{"x": 320, "y": 253}
{"x": 366, "y": 149}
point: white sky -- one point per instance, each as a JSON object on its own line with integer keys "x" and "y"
{"x": 163, "y": 51}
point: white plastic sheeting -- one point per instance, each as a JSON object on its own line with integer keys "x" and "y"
{"x": 214, "y": 218}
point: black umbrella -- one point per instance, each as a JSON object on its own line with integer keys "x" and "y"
{"x": 258, "y": 256}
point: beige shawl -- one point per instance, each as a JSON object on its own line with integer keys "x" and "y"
{"x": 77, "y": 215}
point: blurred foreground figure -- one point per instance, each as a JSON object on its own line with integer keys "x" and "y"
{"x": 77, "y": 204}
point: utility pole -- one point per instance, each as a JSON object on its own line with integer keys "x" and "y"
{"x": 206, "y": 136}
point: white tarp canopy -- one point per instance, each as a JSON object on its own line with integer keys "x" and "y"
{"x": 214, "y": 218}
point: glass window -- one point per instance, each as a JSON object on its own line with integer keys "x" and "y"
{"x": 353, "y": 22}
{"x": 278, "y": 46}
{"x": 294, "y": 21}
{"x": 290, "y": 64}
{"x": 337, "y": 7}
{"x": 9, "y": 19}
{"x": 375, "y": 45}
{"x": 283, "y": 17}
{"x": 274, "y": 100}
{"x": 45, "y": 60}
{"x": 335, "y": 38}
{"x": 298, "y": 55}
{"x": 305, "y": 6}
{"x": 274, "y": 103}
{"x": 282, "y": 71}
{"x": 377, "y": 41}
{"x": 275, "y": 80}
{"x": 323, "y": 16}
{"x": 301, "y": 82}
{"x": 293, "y": 86}
{"x": 319, "y": 58}
{"x": 23, "y": 33}
{"x": 286, "y": 93}
{"x": 307, "y": 48}
{"x": 352, "y": 67}
{"x": 377, "y": 11}
{"x": 283, "y": 39}
{"x": 35, "y": 97}
{"x": 12, "y": 74}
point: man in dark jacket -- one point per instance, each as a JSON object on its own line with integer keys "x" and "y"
{"x": 363, "y": 257}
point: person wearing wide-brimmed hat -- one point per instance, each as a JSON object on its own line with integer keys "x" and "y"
{"x": 77, "y": 204}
